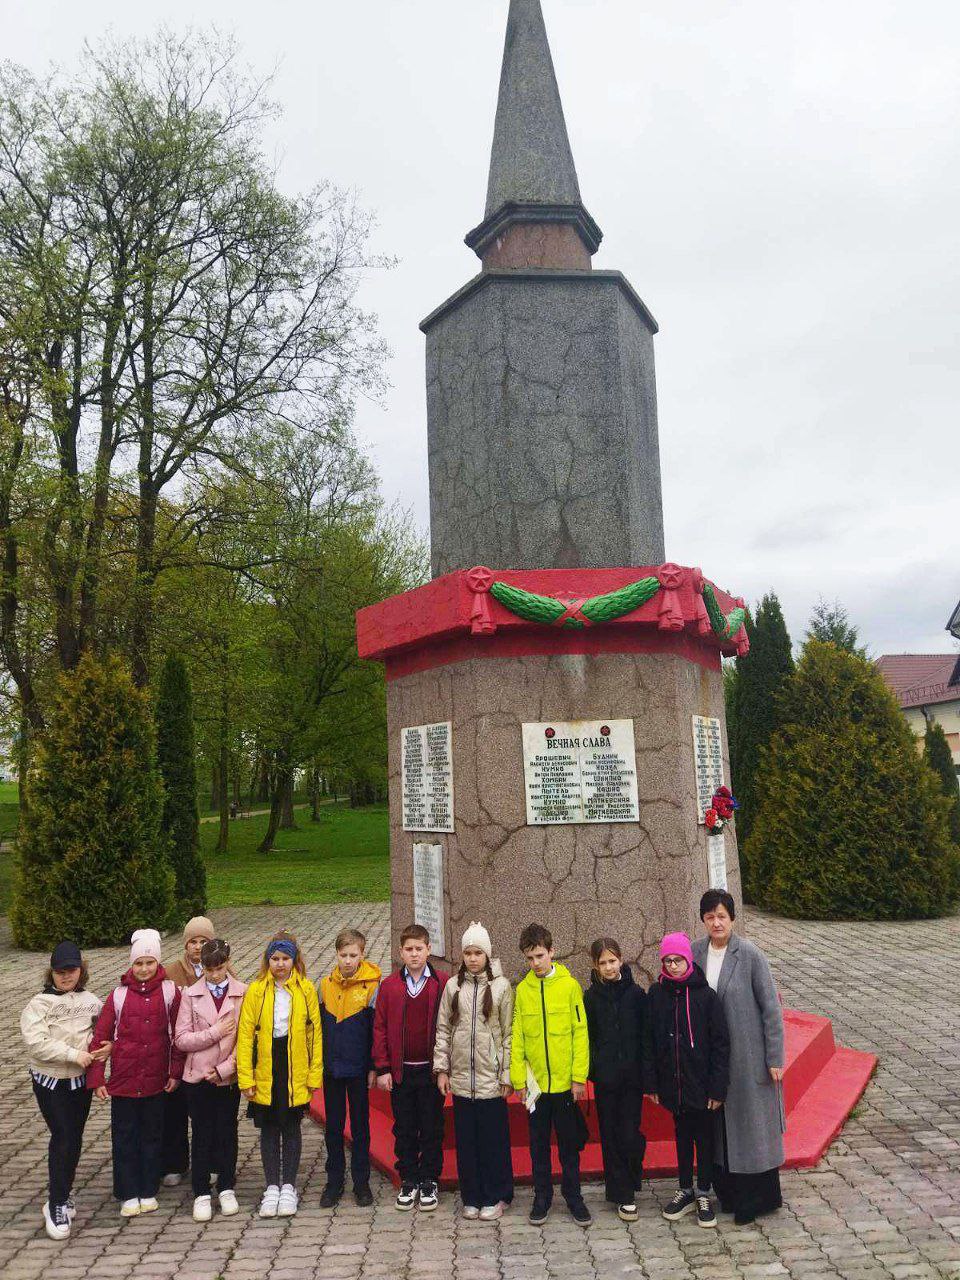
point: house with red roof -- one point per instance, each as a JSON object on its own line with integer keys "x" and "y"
{"x": 927, "y": 687}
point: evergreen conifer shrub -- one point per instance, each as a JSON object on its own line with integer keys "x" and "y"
{"x": 92, "y": 857}
{"x": 850, "y": 822}
{"x": 752, "y": 715}
{"x": 176, "y": 746}
{"x": 938, "y": 755}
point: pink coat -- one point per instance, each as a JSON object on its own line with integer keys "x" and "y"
{"x": 196, "y": 1033}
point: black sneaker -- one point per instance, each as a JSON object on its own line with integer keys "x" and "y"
{"x": 705, "y": 1215}
{"x": 538, "y": 1214}
{"x": 580, "y": 1214}
{"x": 627, "y": 1212}
{"x": 363, "y": 1195}
{"x": 331, "y": 1196}
{"x": 406, "y": 1196}
{"x": 683, "y": 1202}
{"x": 429, "y": 1197}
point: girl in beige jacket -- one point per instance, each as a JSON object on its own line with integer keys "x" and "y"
{"x": 471, "y": 1060}
{"x": 56, "y": 1027}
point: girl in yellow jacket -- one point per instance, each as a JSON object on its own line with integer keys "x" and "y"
{"x": 279, "y": 1064}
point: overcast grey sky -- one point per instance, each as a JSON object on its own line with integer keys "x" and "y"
{"x": 779, "y": 181}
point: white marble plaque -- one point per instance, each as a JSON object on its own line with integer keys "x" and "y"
{"x": 717, "y": 862}
{"x": 427, "y": 777}
{"x": 580, "y": 771}
{"x": 428, "y": 893}
{"x": 707, "y": 760}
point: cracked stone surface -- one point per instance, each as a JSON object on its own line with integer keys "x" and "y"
{"x": 542, "y": 425}
{"x": 634, "y": 881}
{"x": 883, "y": 1204}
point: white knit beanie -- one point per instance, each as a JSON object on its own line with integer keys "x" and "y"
{"x": 477, "y": 936}
{"x": 143, "y": 943}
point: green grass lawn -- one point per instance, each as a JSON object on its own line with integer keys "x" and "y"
{"x": 345, "y": 857}
{"x": 9, "y": 808}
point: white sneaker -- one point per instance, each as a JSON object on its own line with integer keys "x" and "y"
{"x": 56, "y": 1223}
{"x": 150, "y": 1205}
{"x": 228, "y": 1203}
{"x": 129, "y": 1208}
{"x": 172, "y": 1179}
{"x": 202, "y": 1209}
{"x": 270, "y": 1202}
{"x": 490, "y": 1212}
{"x": 288, "y": 1201}
{"x": 470, "y": 1212}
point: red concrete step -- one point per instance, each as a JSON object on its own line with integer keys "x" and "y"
{"x": 822, "y": 1084}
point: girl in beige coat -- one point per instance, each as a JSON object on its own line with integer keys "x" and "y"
{"x": 56, "y": 1027}
{"x": 471, "y": 1060}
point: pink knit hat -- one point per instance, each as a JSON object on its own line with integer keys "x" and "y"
{"x": 677, "y": 944}
{"x": 144, "y": 943}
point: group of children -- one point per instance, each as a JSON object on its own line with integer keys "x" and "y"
{"x": 417, "y": 1034}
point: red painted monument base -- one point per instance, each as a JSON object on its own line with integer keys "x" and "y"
{"x": 822, "y": 1084}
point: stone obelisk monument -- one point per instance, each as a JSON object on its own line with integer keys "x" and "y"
{"x": 555, "y": 700}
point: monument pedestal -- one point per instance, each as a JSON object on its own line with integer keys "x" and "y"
{"x": 822, "y": 1083}
{"x": 564, "y": 789}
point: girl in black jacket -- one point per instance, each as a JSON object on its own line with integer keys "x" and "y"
{"x": 616, "y": 1021}
{"x": 689, "y": 1069}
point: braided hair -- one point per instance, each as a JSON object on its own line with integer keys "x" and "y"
{"x": 486, "y": 1008}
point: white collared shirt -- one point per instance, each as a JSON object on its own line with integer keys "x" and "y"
{"x": 414, "y": 988}
{"x": 282, "y": 1000}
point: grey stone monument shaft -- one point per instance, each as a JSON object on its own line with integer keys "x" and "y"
{"x": 543, "y": 453}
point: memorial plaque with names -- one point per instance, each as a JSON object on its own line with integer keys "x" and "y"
{"x": 427, "y": 777}
{"x": 717, "y": 862}
{"x": 707, "y": 760}
{"x": 580, "y": 771}
{"x": 428, "y": 893}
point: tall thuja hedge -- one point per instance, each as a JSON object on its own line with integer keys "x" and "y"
{"x": 936, "y": 749}
{"x": 92, "y": 861}
{"x": 176, "y": 747}
{"x": 752, "y": 715}
{"x": 850, "y": 820}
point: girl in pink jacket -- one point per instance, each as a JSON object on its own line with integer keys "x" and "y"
{"x": 207, "y": 1034}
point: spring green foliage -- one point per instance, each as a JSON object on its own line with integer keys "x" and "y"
{"x": 831, "y": 624}
{"x": 936, "y": 749}
{"x": 850, "y": 821}
{"x": 92, "y": 858}
{"x": 752, "y": 716}
{"x": 175, "y": 758}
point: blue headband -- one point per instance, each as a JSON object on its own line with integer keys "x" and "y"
{"x": 281, "y": 944}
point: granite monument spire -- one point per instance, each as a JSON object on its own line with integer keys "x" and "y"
{"x": 541, "y": 394}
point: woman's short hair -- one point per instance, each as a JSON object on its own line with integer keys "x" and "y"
{"x": 48, "y": 983}
{"x": 714, "y": 898}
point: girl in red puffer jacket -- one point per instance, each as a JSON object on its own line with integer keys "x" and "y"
{"x": 139, "y": 1018}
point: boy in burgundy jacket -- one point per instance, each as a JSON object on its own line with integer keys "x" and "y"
{"x": 404, "y": 1031}
{"x": 139, "y": 1018}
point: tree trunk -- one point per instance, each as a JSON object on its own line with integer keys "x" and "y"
{"x": 215, "y": 787}
{"x": 273, "y": 823}
{"x": 314, "y": 793}
{"x": 223, "y": 837}
{"x": 286, "y": 813}
{"x": 263, "y": 793}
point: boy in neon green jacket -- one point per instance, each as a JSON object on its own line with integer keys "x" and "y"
{"x": 550, "y": 1044}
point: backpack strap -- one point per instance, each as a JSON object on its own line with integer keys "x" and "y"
{"x": 120, "y": 996}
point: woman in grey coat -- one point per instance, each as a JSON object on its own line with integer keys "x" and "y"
{"x": 751, "y": 1123}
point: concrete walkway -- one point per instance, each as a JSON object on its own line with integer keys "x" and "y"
{"x": 884, "y": 1203}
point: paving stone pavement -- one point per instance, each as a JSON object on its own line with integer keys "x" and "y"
{"x": 884, "y": 1202}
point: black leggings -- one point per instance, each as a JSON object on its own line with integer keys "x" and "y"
{"x": 694, "y": 1129}
{"x": 280, "y": 1146}
{"x": 65, "y": 1110}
